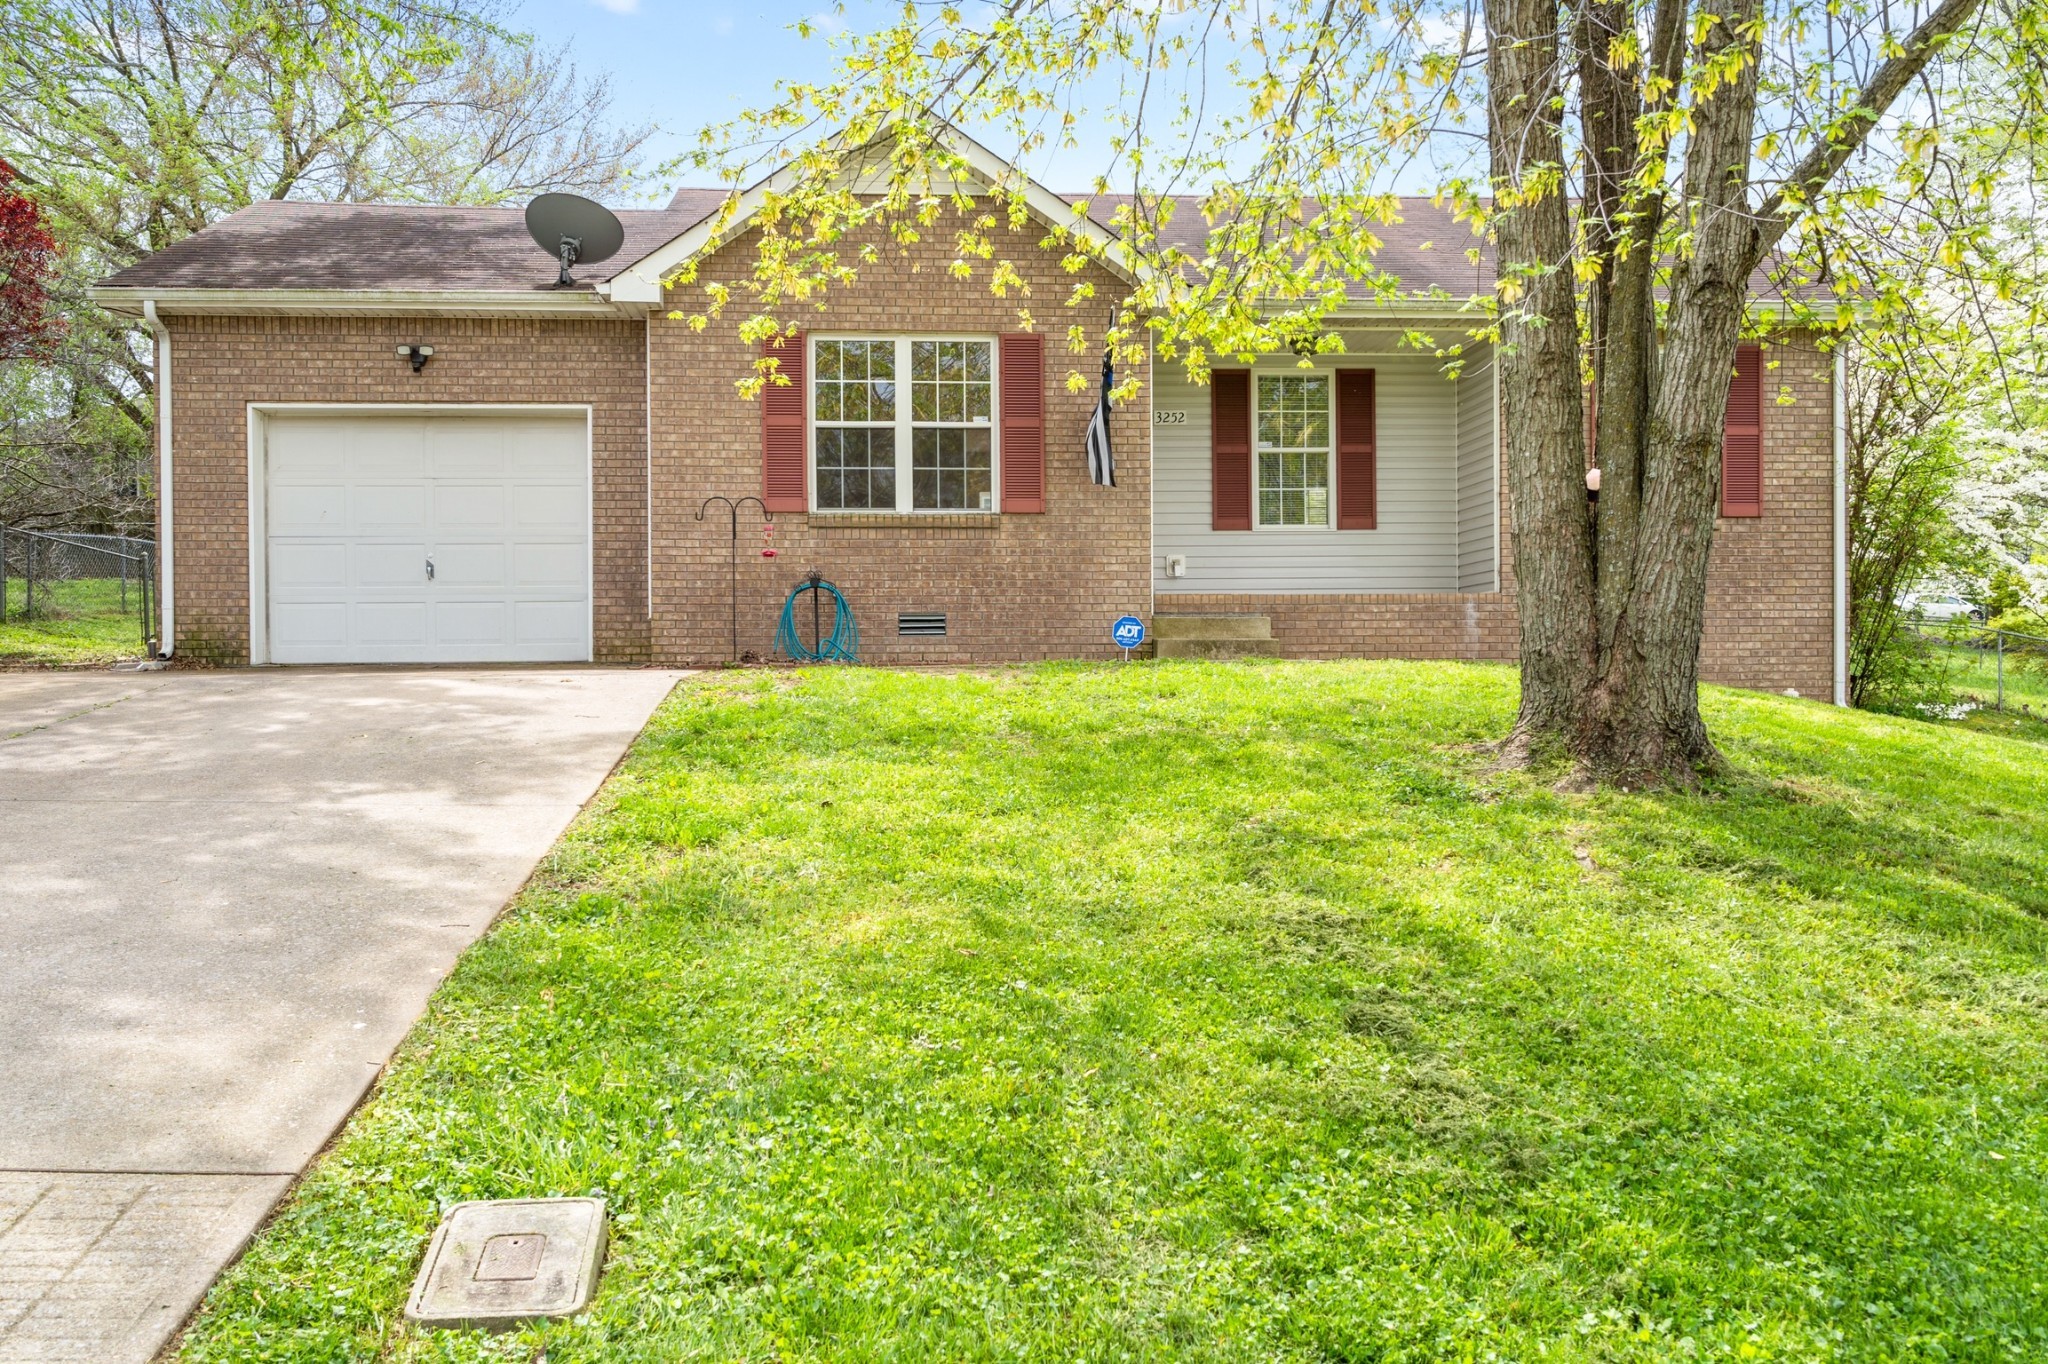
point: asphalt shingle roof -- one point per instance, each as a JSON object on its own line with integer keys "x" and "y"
{"x": 289, "y": 245}
{"x": 292, "y": 245}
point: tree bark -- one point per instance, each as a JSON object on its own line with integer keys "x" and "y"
{"x": 1539, "y": 359}
{"x": 1613, "y": 604}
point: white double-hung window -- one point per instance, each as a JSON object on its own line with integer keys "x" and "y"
{"x": 903, "y": 424}
{"x": 1293, "y": 423}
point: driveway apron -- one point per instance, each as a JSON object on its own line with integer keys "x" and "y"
{"x": 224, "y": 898}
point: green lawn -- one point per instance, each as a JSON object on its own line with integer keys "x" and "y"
{"x": 1233, "y": 1013}
{"x": 90, "y": 626}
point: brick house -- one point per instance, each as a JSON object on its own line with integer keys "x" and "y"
{"x": 531, "y": 489}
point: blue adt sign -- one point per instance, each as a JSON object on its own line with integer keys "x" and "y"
{"x": 1128, "y": 632}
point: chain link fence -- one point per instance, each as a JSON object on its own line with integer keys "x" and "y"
{"x": 2005, "y": 667}
{"x": 51, "y": 577}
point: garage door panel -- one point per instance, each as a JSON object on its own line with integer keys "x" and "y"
{"x": 471, "y": 623}
{"x": 357, "y": 503}
{"x": 470, "y": 565}
{"x": 310, "y": 565}
{"x": 469, "y": 507}
{"x": 548, "y": 622}
{"x": 385, "y": 447}
{"x": 548, "y": 564}
{"x": 308, "y": 509}
{"x": 318, "y": 450}
{"x": 309, "y": 623}
{"x": 468, "y": 448}
{"x": 387, "y": 623}
{"x": 388, "y": 509}
{"x": 532, "y": 450}
{"x": 400, "y": 564}
{"x": 552, "y": 507}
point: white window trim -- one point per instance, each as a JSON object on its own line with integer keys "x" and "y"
{"x": 1329, "y": 520}
{"x": 903, "y": 424}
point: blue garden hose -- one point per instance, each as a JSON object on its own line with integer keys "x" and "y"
{"x": 841, "y": 646}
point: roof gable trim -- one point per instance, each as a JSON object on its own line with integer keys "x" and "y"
{"x": 641, "y": 281}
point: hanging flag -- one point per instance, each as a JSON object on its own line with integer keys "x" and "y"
{"x": 1101, "y": 458}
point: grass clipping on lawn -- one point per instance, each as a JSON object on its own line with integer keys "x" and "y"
{"x": 1221, "y": 1012}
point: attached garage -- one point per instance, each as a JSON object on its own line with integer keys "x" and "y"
{"x": 408, "y": 536}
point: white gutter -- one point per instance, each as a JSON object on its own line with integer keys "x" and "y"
{"x": 360, "y": 302}
{"x": 166, "y": 595}
{"x": 1841, "y": 527}
{"x": 647, "y": 464}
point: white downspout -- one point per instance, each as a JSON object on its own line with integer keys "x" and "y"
{"x": 1841, "y": 527}
{"x": 166, "y": 596}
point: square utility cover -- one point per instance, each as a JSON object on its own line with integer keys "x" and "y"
{"x": 496, "y": 1264}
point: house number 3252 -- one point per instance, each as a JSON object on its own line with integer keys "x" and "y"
{"x": 1167, "y": 418}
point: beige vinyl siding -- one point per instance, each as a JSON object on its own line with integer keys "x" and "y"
{"x": 1478, "y": 478}
{"x": 1415, "y": 549}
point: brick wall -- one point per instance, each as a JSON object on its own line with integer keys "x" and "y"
{"x": 1770, "y": 602}
{"x": 1012, "y": 586}
{"x": 219, "y": 365}
{"x": 1770, "y": 586}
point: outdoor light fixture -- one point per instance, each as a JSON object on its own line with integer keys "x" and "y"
{"x": 418, "y": 355}
{"x": 1593, "y": 485}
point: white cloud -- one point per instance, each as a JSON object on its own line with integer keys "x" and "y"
{"x": 618, "y": 6}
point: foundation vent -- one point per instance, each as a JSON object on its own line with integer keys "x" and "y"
{"x": 927, "y": 625}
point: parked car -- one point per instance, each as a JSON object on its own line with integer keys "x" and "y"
{"x": 1942, "y": 607}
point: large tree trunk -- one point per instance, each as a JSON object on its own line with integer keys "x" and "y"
{"x": 1612, "y": 607}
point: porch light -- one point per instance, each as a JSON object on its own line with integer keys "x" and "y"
{"x": 1593, "y": 484}
{"x": 418, "y": 355}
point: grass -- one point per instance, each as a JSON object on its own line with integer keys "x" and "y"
{"x": 1225, "y": 1012}
{"x": 90, "y": 625}
{"x": 1968, "y": 682}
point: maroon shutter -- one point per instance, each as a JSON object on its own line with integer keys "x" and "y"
{"x": 1021, "y": 380}
{"x": 1742, "y": 437}
{"x": 782, "y": 429}
{"x": 1358, "y": 502}
{"x": 1230, "y": 449}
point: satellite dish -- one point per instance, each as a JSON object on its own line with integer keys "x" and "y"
{"x": 572, "y": 228}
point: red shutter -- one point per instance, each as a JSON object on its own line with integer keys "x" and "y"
{"x": 1230, "y": 449}
{"x": 782, "y": 429}
{"x": 1021, "y": 380}
{"x": 1358, "y": 503}
{"x": 1742, "y": 437}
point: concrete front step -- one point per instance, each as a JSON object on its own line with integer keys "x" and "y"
{"x": 1217, "y": 648}
{"x": 1190, "y": 627}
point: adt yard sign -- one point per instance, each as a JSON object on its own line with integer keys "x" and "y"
{"x": 1128, "y": 632}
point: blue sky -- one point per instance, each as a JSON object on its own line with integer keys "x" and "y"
{"x": 684, "y": 64}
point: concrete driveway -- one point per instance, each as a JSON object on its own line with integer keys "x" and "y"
{"x": 224, "y": 898}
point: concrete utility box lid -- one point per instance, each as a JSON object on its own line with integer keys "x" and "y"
{"x": 493, "y": 1265}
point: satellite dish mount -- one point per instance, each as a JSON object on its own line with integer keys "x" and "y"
{"x": 574, "y": 229}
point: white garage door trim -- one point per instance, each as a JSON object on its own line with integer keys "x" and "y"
{"x": 259, "y": 417}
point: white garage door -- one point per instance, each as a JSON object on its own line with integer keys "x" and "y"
{"x": 427, "y": 539}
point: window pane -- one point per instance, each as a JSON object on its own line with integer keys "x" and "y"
{"x": 950, "y": 396}
{"x": 1294, "y": 449}
{"x": 950, "y": 470}
{"x": 828, "y": 402}
{"x": 923, "y": 360}
{"x": 828, "y": 359}
{"x": 854, "y": 402}
{"x": 978, "y": 361}
{"x": 856, "y": 469}
{"x": 882, "y": 405}
{"x": 978, "y": 402}
{"x": 924, "y": 403}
